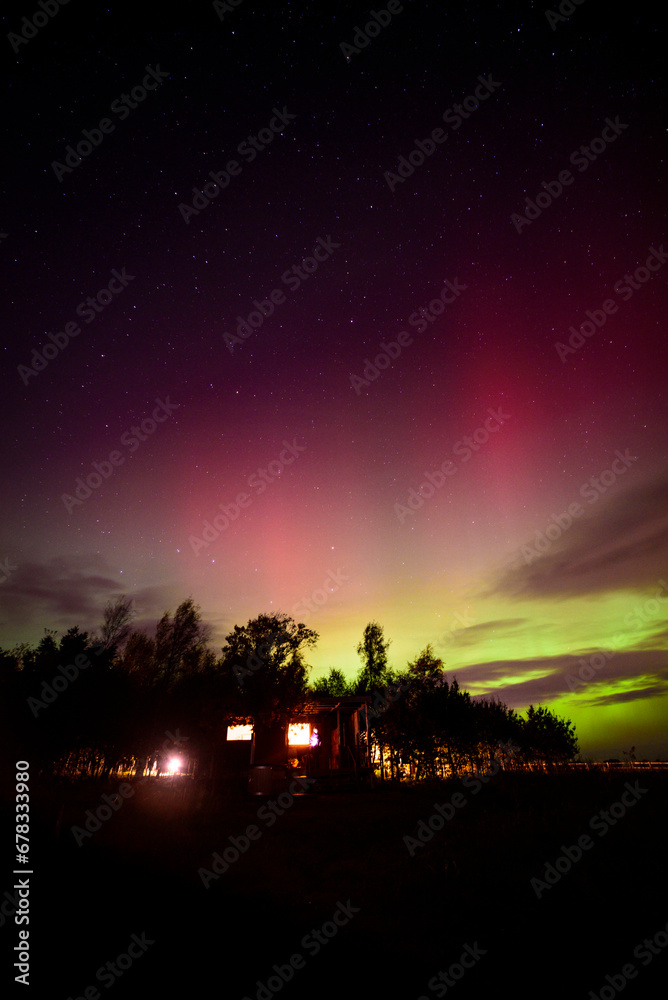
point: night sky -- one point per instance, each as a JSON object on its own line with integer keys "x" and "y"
{"x": 469, "y": 188}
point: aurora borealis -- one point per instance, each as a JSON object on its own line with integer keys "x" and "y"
{"x": 399, "y": 358}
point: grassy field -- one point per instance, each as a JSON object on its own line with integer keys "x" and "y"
{"x": 406, "y": 913}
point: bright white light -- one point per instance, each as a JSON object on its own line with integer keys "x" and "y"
{"x": 299, "y": 734}
{"x": 239, "y": 732}
{"x": 174, "y": 765}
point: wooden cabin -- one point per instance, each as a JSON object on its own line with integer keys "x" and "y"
{"x": 328, "y": 741}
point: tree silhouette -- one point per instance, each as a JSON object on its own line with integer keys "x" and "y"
{"x": 266, "y": 675}
{"x": 180, "y": 641}
{"x": 77, "y": 705}
{"x": 495, "y": 724}
{"x": 334, "y": 684}
{"x": 138, "y": 658}
{"x": 117, "y": 622}
{"x": 372, "y": 650}
{"x": 545, "y": 737}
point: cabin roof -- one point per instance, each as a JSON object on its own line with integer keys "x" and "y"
{"x": 328, "y": 703}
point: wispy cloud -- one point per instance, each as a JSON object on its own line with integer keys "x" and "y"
{"x": 638, "y": 674}
{"x": 70, "y": 590}
{"x": 472, "y": 634}
{"x": 623, "y": 544}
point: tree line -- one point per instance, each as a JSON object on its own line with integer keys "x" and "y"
{"x": 123, "y": 699}
{"x": 421, "y": 719}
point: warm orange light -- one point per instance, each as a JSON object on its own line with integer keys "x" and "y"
{"x": 239, "y": 732}
{"x": 299, "y": 734}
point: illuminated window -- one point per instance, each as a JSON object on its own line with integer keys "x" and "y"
{"x": 239, "y": 732}
{"x": 299, "y": 734}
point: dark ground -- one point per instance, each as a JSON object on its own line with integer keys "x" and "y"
{"x": 138, "y": 874}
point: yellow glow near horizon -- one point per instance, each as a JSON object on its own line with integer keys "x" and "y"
{"x": 522, "y": 649}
